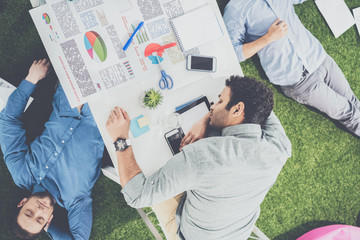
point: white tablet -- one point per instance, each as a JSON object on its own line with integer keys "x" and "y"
{"x": 193, "y": 112}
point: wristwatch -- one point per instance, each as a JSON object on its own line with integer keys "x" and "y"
{"x": 122, "y": 144}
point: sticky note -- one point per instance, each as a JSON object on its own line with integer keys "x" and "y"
{"x": 135, "y": 129}
{"x": 144, "y": 121}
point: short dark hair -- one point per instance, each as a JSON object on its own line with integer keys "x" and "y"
{"x": 17, "y": 230}
{"x": 256, "y": 96}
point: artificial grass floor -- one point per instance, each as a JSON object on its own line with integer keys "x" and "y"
{"x": 319, "y": 184}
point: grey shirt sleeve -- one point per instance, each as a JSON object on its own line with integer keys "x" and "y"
{"x": 235, "y": 24}
{"x": 175, "y": 177}
{"x": 275, "y": 133}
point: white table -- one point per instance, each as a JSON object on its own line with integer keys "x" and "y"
{"x": 151, "y": 150}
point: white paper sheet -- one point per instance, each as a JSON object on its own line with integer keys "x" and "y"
{"x": 6, "y": 90}
{"x": 336, "y": 14}
{"x": 356, "y": 12}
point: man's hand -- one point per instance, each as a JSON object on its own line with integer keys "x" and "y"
{"x": 48, "y": 223}
{"x": 196, "y": 132}
{"x": 277, "y": 30}
{"x": 118, "y": 124}
{"x": 38, "y": 70}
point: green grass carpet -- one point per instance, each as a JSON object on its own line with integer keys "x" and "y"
{"x": 319, "y": 185}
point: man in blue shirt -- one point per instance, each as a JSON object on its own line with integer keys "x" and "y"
{"x": 225, "y": 178}
{"x": 291, "y": 57}
{"x": 61, "y": 166}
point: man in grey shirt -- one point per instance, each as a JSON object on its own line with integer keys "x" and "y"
{"x": 226, "y": 177}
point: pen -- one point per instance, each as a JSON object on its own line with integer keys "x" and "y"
{"x": 132, "y": 36}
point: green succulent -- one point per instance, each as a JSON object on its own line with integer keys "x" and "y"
{"x": 152, "y": 98}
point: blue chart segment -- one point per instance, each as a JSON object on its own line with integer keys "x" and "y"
{"x": 150, "y": 49}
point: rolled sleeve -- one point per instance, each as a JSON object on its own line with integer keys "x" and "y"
{"x": 27, "y": 87}
{"x": 236, "y": 28}
{"x": 18, "y": 100}
{"x": 133, "y": 188}
{"x": 175, "y": 177}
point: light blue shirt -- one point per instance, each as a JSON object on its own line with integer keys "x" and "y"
{"x": 282, "y": 60}
{"x": 65, "y": 160}
{"x": 225, "y": 178}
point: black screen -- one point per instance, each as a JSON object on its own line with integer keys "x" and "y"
{"x": 201, "y": 63}
{"x": 174, "y": 141}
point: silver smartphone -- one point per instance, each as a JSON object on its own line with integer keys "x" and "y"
{"x": 201, "y": 63}
{"x": 173, "y": 138}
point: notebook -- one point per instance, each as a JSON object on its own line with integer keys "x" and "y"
{"x": 197, "y": 27}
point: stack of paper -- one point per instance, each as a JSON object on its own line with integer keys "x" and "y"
{"x": 336, "y": 14}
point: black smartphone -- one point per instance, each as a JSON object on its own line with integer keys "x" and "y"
{"x": 173, "y": 138}
{"x": 201, "y": 63}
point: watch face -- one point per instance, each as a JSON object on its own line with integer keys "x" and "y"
{"x": 120, "y": 145}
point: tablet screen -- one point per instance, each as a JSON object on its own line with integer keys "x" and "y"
{"x": 193, "y": 114}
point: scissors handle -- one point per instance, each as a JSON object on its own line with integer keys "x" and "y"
{"x": 162, "y": 84}
{"x": 169, "y": 82}
{"x": 165, "y": 81}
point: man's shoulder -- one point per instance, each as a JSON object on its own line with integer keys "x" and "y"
{"x": 208, "y": 148}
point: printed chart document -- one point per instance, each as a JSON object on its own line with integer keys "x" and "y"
{"x": 84, "y": 40}
{"x": 336, "y": 14}
{"x": 6, "y": 89}
{"x": 356, "y": 12}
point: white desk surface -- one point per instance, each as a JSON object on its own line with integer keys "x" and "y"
{"x": 150, "y": 149}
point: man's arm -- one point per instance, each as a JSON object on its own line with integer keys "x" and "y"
{"x": 174, "y": 178}
{"x": 275, "y": 133}
{"x": 56, "y": 232}
{"x": 80, "y": 222}
{"x": 118, "y": 125}
{"x": 196, "y": 132}
{"x": 276, "y": 31}
{"x": 12, "y": 137}
{"x": 236, "y": 27}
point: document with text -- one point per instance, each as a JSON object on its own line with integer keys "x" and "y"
{"x": 336, "y": 14}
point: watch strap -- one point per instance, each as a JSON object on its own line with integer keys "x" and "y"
{"x": 128, "y": 142}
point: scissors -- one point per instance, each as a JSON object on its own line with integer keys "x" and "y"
{"x": 165, "y": 80}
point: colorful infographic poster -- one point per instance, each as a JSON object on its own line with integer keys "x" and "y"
{"x": 84, "y": 40}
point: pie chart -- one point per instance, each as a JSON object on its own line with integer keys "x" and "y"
{"x": 95, "y": 46}
{"x": 46, "y": 18}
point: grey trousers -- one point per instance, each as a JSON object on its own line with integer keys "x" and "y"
{"x": 328, "y": 91}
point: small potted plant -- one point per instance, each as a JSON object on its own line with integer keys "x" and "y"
{"x": 152, "y": 98}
